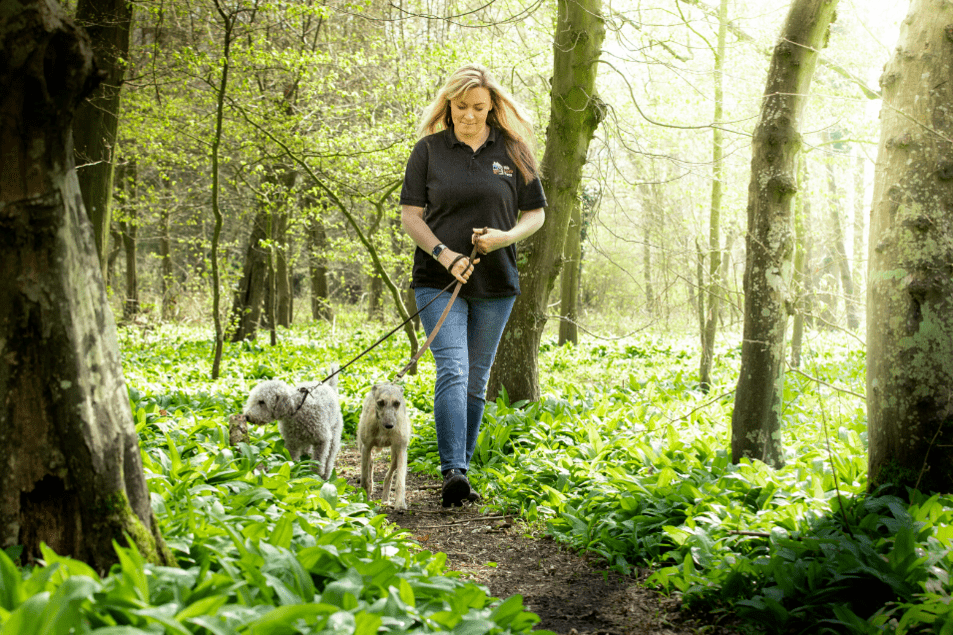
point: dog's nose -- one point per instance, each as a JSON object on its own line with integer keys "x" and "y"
{"x": 388, "y": 425}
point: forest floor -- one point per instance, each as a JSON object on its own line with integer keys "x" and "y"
{"x": 571, "y": 593}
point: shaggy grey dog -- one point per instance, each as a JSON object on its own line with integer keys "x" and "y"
{"x": 309, "y": 418}
{"x": 384, "y": 423}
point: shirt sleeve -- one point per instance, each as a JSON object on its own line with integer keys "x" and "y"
{"x": 414, "y": 190}
{"x": 530, "y": 195}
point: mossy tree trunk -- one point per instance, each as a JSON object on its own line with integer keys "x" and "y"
{"x": 576, "y": 112}
{"x": 569, "y": 279}
{"x": 756, "y": 420}
{"x": 910, "y": 264}
{"x": 71, "y": 472}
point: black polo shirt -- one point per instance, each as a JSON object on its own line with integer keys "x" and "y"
{"x": 461, "y": 190}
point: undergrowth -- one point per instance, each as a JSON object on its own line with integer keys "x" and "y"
{"x": 623, "y": 457}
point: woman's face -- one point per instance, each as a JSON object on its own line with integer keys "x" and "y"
{"x": 468, "y": 113}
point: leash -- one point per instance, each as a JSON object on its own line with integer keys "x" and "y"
{"x": 456, "y": 290}
{"x": 443, "y": 316}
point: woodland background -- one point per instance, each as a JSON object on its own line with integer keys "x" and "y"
{"x": 246, "y": 177}
{"x": 340, "y": 87}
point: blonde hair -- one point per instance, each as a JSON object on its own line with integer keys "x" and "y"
{"x": 507, "y": 116}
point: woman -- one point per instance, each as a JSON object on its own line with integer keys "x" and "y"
{"x": 471, "y": 180}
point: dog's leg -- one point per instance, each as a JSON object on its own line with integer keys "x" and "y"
{"x": 398, "y": 462}
{"x": 333, "y": 452}
{"x": 294, "y": 451}
{"x": 320, "y": 450}
{"x": 385, "y": 494}
{"x": 367, "y": 469}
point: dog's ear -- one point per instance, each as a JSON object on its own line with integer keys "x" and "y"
{"x": 284, "y": 405}
{"x": 401, "y": 390}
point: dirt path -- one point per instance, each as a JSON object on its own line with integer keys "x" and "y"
{"x": 571, "y": 594}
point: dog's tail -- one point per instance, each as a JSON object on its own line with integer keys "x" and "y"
{"x": 333, "y": 380}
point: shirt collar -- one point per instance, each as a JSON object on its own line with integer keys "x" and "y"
{"x": 453, "y": 141}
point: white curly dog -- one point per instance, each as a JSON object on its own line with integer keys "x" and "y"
{"x": 309, "y": 418}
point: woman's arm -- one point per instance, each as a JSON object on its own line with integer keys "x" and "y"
{"x": 412, "y": 218}
{"x": 488, "y": 239}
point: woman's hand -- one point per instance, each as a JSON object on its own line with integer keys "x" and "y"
{"x": 488, "y": 239}
{"x": 459, "y": 265}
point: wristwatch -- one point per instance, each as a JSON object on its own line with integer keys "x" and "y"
{"x": 437, "y": 251}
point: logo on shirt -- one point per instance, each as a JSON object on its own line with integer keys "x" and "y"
{"x": 502, "y": 170}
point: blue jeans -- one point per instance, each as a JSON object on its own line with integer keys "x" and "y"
{"x": 464, "y": 350}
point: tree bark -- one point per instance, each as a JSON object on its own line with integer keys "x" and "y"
{"x": 711, "y": 297}
{"x": 569, "y": 279}
{"x": 285, "y": 306}
{"x": 910, "y": 270}
{"x": 249, "y": 297}
{"x": 756, "y": 421}
{"x": 228, "y": 21}
{"x": 129, "y": 236}
{"x": 799, "y": 301}
{"x": 108, "y": 24}
{"x": 72, "y": 470}
{"x": 320, "y": 301}
{"x": 576, "y": 112}
{"x": 375, "y": 295}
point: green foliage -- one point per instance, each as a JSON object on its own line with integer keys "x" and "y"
{"x": 623, "y": 457}
{"x": 263, "y": 545}
{"x": 614, "y": 467}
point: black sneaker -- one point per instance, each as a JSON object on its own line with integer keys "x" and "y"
{"x": 456, "y": 488}
{"x": 474, "y": 496}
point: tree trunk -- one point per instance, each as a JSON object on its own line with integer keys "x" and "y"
{"x": 910, "y": 275}
{"x": 569, "y": 279}
{"x": 320, "y": 302}
{"x": 375, "y": 293}
{"x": 72, "y": 470}
{"x": 115, "y": 246}
{"x": 258, "y": 289}
{"x": 576, "y": 112}
{"x": 283, "y": 310}
{"x": 799, "y": 301}
{"x": 250, "y": 294}
{"x": 130, "y": 230}
{"x": 97, "y": 119}
{"x": 859, "y": 225}
{"x": 711, "y": 297}
{"x": 835, "y": 196}
{"x": 756, "y": 420}
{"x": 647, "y": 238}
{"x": 271, "y": 295}
{"x": 228, "y": 21}
{"x": 167, "y": 281}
